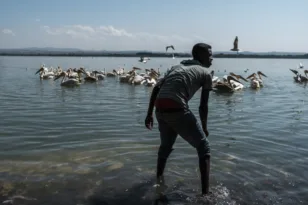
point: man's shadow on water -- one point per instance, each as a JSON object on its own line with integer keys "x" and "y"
{"x": 139, "y": 194}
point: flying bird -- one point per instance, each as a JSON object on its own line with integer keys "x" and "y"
{"x": 235, "y": 45}
{"x": 167, "y": 47}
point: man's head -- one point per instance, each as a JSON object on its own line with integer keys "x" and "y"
{"x": 203, "y": 53}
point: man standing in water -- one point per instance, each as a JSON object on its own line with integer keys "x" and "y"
{"x": 170, "y": 97}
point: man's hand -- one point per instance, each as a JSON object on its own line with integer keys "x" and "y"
{"x": 149, "y": 122}
{"x": 204, "y": 128}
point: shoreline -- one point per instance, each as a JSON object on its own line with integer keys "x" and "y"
{"x": 153, "y": 55}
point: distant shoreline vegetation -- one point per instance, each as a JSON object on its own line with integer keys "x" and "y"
{"x": 17, "y": 52}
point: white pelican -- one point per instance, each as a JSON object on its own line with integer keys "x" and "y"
{"x": 235, "y": 83}
{"x": 87, "y": 73}
{"x": 58, "y": 70}
{"x": 150, "y": 82}
{"x": 88, "y": 77}
{"x": 156, "y": 72}
{"x": 255, "y": 81}
{"x": 151, "y": 79}
{"x": 73, "y": 73}
{"x": 299, "y": 78}
{"x": 99, "y": 75}
{"x": 143, "y": 59}
{"x": 129, "y": 76}
{"x": 44, "y": 73}
{"x": 125, "y": 78}
{"x": 147, "y": 72}
{"x": 133, "y": 70}
{"x": 135, "y": 79}
{"x": 112, "y": 74}
{"x": 44, "y": 67}
{"x": 214, "y": 79}
{"x": 120, "y": 71}
{"x": 229, "y": 84}
{"x": 238, "y": 77}
{"x": 66, "y": 81}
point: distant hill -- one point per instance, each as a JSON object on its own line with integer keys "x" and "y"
{"x": 42, "y": 49}
{"x": 261, "y": 53}
{"x": 51, "y": 51}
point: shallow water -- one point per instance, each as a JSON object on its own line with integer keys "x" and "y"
{"x": 89, "y": 144}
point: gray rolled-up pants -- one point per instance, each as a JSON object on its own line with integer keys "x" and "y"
{"x": 185, "y": 124}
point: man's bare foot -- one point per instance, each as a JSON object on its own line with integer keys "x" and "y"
{"x": 160, "y": 186}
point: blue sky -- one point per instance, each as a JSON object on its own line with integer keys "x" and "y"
{"x": 273, "y": 25}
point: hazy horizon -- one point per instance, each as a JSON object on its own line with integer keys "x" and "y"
{"x": 147, "y": 25}
{"x": 132, "y": 50}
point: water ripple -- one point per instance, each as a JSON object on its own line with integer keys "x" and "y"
{"x": 258, "y": 138}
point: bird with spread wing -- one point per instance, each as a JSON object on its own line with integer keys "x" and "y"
{"x": 171, "y": 46}
{"x": 235, "y": 45}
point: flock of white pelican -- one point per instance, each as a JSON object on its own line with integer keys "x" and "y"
{"x": 231, "y": 82}
{"x": 228, "y": 83}
{"x": 74, "y": 77}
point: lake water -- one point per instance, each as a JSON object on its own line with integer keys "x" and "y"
{"x": 88, "y": 145}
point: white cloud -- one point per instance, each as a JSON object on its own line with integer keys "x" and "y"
{"x": 117, "y": 38}
{"x": 87, "y": 32}
{"x": 74, "y": 31}
{"x": 8, "y": 31}
{"x": 111, "y": 31}
{"x": 37, "y": 20}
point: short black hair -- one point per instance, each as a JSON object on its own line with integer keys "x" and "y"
{"x": 200, "y": 48}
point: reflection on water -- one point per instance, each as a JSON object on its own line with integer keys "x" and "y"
{"x": 88, "y": 144}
